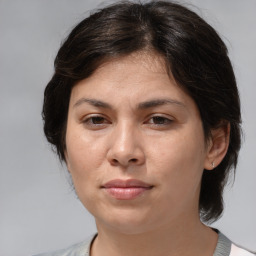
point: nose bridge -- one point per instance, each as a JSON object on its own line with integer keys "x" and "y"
{"x": 125, "y": 145}
{"x": 124, "y": 136}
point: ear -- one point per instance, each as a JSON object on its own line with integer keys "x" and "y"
{"x": 217, "y": 146}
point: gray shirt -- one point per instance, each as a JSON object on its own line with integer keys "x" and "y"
{"x": 224, "y": 248}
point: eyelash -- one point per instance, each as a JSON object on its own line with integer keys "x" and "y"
{"x": 90, "y": 121}
{"x": 99, "y": 122}
{"x": 163, "y": 121}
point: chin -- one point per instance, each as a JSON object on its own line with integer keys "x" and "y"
{"x": 129, "y": 222}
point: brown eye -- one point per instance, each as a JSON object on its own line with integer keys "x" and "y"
{"x": 159, "y": 120}
{"x": 95, "y": 122}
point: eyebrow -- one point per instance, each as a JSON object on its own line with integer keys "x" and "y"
{"x": 143, "y": 105}
{"x": 93, "y": 102}
{"x": 159, "y": 102}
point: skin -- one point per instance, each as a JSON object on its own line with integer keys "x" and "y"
{"x": 113, "y": 134}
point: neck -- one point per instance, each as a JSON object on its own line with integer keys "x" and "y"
{"x": 191, "y": 238}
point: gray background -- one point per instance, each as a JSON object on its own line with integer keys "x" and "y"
{"x": 39, "y": 210}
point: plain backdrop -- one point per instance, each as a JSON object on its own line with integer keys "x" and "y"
{"x": 38, "y": 209}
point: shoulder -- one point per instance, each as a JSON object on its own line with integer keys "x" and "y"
{"x": 226, "y": 248}
{"x": 238, "y": 251}
{"x": 79, "y": 249}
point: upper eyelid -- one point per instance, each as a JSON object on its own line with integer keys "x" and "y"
{"x": 165, "y": 122}
{"x": 88, "y": 116}
{"x": 164, "y": 118}
{"x": 161, "y": 115}
{"x": 167, "y": 116}
{"x": 149, "y": 116}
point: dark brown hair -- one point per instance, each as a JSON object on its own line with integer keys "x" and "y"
{"x": 193, "y": 51}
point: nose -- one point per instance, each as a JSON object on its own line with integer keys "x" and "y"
{"x": 126, "y": 147}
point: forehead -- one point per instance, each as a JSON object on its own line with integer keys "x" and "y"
{"x": 136, "y": 77}
{"x": 133, "y": 68}
{"x": 148, "y": 61}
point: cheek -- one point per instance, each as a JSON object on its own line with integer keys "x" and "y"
{"x": 179, "y": 159}
{"x": 178, "y": 169}
{"x": 84, "y": 160}
{"x": 83, "y": 164}
{"x": 83, "y": 150}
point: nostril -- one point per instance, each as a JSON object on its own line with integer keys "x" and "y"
{"x": 114, "y": 161}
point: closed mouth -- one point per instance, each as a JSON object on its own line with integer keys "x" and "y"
{"x": 126, "y": 189}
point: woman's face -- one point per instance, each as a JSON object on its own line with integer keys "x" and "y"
{"x": 135, "y": 146}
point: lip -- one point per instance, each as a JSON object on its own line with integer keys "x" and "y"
{"x": 126, "y": 189}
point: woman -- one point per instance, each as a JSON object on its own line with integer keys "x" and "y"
{"x": 144, "y": 110}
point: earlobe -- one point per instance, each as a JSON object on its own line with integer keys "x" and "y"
{"x": 218, "y": 146}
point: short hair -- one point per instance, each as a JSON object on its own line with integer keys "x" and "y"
{"x": 194, "y": 53}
